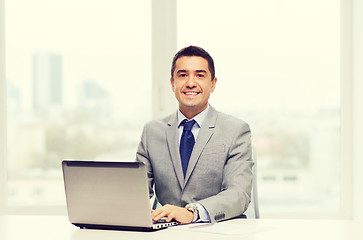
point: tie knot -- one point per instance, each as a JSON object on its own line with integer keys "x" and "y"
{"x": 188, "y": 124}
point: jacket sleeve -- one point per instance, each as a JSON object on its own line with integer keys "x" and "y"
{"x": 235, "y": 195}
{"x": 142, "y": 155}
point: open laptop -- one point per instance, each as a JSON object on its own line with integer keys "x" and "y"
{"x": 108, "y": 195}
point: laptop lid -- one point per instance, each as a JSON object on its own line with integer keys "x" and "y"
{"x": 108, "y": 195}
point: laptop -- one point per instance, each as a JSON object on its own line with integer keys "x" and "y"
{"x": 108, "y": 195}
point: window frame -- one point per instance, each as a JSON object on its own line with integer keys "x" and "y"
{"x": 346, "y": 87}
{"x": 356, "y": 15}
{"x": 3, "y": 172}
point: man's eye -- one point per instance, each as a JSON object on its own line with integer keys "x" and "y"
{"x": 182, "y": 75}
{"x": 200, "y": 75}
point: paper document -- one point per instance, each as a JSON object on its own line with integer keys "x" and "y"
{"x": 226, "y": 228}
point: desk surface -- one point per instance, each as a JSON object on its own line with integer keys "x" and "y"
{"x": 59, "y": 228}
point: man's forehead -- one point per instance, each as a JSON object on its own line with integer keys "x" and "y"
{"x": 191, "y": 63}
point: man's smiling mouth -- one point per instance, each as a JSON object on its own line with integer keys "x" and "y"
{"x": 191, "y": 93}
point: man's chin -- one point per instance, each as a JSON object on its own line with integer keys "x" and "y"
{"x": 190, "y": 105}
{"x": 192, "y": 108}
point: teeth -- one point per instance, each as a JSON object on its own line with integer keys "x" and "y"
{"x": 191, "y": 93}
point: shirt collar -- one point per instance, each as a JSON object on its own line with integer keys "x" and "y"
{"x": 198, "y": 118}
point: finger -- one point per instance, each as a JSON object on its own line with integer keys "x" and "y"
{"x": 159, "y": 215}
{"x": 160, "y": 210}
{"x": 154, "y": 214}
{"x": 169, "y": 218}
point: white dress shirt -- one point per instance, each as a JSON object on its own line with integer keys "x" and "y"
{"x": 199, "y": 119}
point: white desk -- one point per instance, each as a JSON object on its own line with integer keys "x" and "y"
{"x": 58, "y": 228}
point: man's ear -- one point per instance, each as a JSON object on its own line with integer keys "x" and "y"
{"x": 214, "y": 83}
{"x": 172, "y": 84}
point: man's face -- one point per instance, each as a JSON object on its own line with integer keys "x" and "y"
{"x": 192, "y": 84}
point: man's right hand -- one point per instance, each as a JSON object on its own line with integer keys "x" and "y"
{"x": 179, "y": 214}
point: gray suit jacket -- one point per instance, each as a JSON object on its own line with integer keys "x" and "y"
{"x": 219, "y": 175}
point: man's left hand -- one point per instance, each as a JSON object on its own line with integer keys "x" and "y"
{"x": 179, "y": 214}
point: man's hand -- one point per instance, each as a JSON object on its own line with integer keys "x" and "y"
{"x": 179, "y": 214}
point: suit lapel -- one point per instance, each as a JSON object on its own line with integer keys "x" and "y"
{"x": 205, "y": 133}
{"x": 172, "y": 140}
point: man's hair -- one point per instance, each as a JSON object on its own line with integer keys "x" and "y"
{"x": 192, "y": 51}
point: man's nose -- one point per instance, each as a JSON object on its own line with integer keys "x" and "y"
{"x": 191, "y": 82}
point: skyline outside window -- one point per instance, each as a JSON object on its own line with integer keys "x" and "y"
{"x": 77, "y": 88}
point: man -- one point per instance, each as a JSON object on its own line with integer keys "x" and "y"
{"x": 201, "y": 169}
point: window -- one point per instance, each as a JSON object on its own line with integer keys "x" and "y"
{"x": 78, "y": 79}
{"x": 278, "y": 68}
{"x": 78, "y": 88}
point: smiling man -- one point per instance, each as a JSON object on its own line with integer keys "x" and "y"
{"x": 198, "y": 159}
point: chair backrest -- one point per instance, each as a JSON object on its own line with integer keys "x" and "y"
{"x": 253, "y": 210}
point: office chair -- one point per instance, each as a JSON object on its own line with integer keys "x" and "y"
{"x": 253, "y": 210}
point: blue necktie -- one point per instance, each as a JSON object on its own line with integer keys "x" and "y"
{"x": 186, "y": 144}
